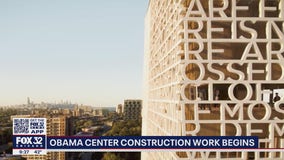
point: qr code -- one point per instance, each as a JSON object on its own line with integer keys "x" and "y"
{"x": 21, "y": 125}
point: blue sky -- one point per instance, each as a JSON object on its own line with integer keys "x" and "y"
{"x": 87, "y": 51}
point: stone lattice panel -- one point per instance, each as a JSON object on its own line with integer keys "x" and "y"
{"x": 213, "y": 68}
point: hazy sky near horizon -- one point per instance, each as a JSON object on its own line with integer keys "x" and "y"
{"x": 87, "y": 52}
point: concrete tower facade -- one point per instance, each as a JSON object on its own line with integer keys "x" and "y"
{"x": 132, "y": 109}
{"x": 212, "y": 68}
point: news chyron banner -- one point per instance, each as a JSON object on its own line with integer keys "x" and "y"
{"x": 29, "y": 137}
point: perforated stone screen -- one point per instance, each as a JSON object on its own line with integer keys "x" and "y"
{"x": 213, "y": 67}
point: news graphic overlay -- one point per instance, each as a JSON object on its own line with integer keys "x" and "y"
{"x": 149, "y": 143}
{"x": 29, "y": 136}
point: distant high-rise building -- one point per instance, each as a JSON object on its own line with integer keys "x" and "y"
{"x": 28, "y": 101}
{"x": 211, "y": 69}
{"x": 56, "y": 126}
{"x": 119, "y": 109}
{"x": 132, "y": 109}
{"x": 77, "y": 112}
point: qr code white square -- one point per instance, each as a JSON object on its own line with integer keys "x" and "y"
{"x": 21, "y": 125}
{"x": 29, "y": 126}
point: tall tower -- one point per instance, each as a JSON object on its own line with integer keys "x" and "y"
{"x": 56, "y": 126}
{"x": 132, "y": 109}
{"x": 209, "y": 64}
{"x": 28, "y": 101}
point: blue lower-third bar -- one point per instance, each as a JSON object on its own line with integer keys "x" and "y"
{"x": 152, "y": 142}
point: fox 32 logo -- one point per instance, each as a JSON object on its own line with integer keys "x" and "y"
{"x": 29, "y": 142}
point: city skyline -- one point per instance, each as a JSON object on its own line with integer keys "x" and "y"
{"x": 86, "y": 52}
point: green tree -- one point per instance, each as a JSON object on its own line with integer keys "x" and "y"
{"x": 88, "y": 123}
{"x": 124, "y": 128}
{"x": 111, "y": 156}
